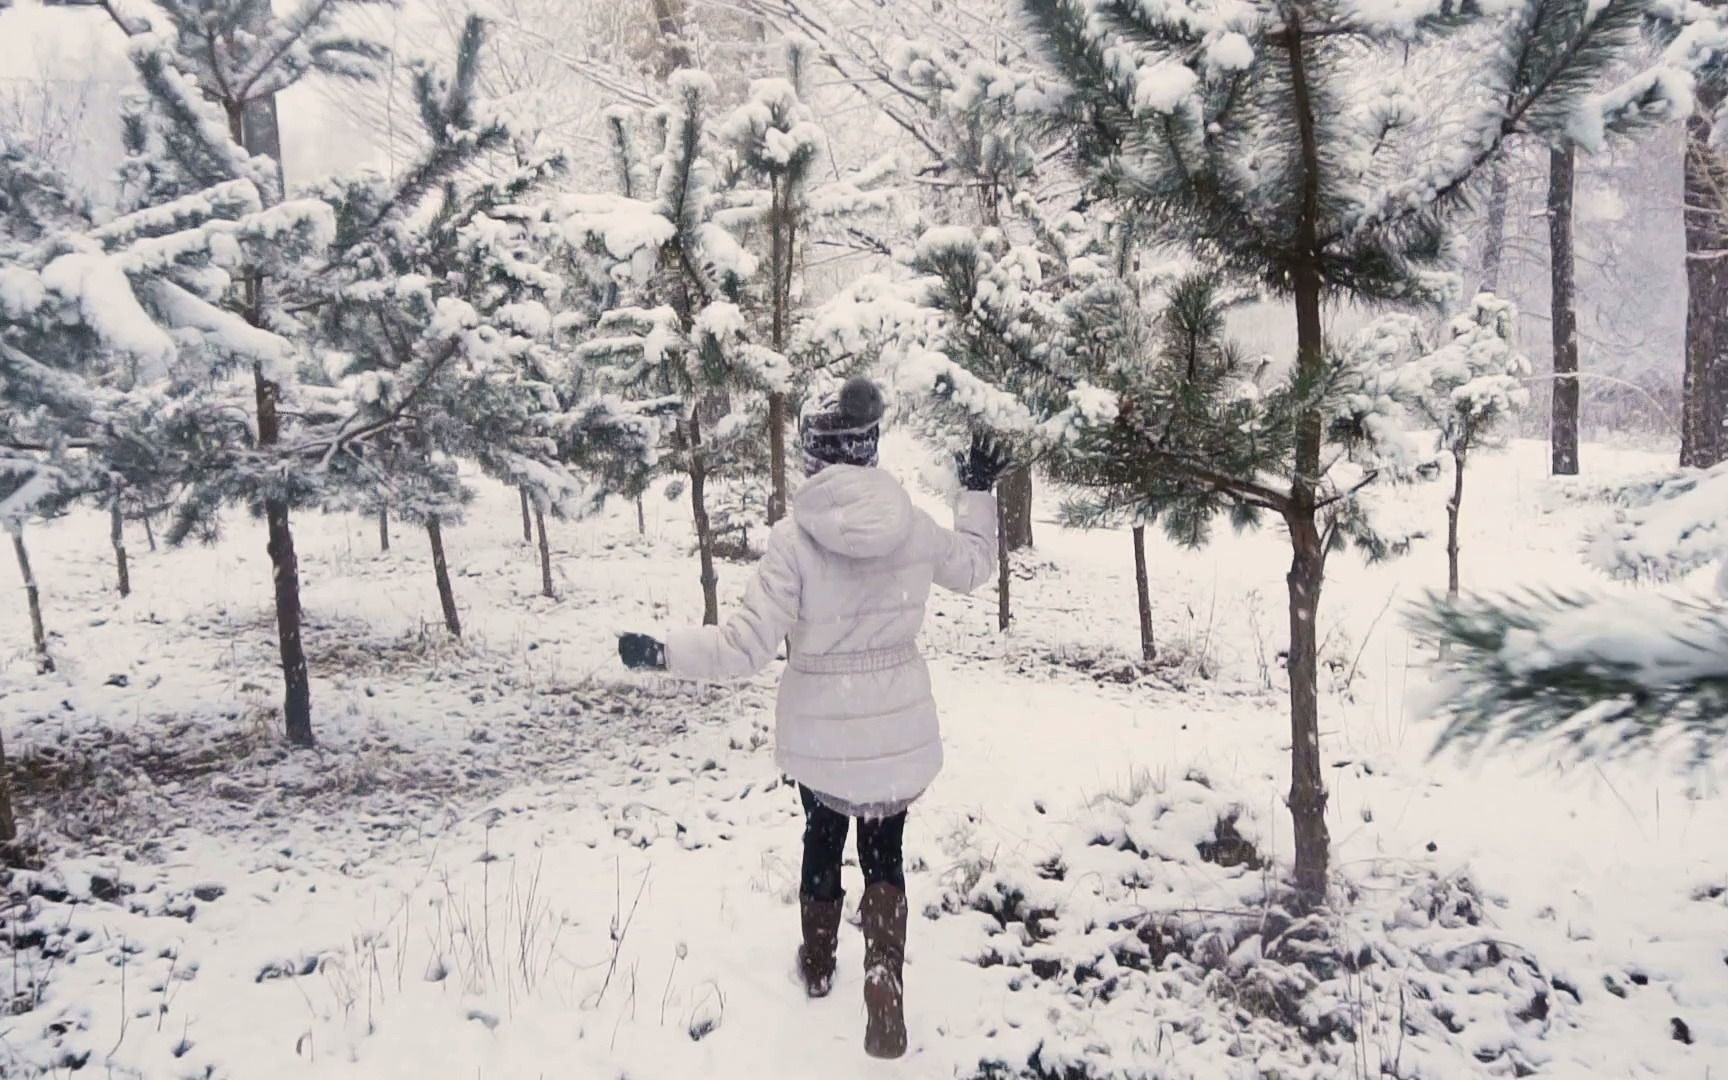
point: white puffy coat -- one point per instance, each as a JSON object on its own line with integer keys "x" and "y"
{"x": 847, "y": 576}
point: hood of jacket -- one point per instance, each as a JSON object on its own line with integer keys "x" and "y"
{"x": 862, "y": 513}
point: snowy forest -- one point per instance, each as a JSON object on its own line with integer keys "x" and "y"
{"x": 475, "y": 473}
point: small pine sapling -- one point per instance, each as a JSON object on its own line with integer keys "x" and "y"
{"x": 1466, "y": 389}
{"x": 686, "y": 336}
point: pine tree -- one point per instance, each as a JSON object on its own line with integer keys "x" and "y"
{"x": 983, "y": 348}
{"x": 212, "y": 69}
{"x": 778, "y": 146}
{"x": 1465, "y": 388}
{"x": 685, "y": 337}
{"x": 985, "y": 157}
{"x": 1137, "y": 355}
{"x": 97, "y": 322}
{"x": 1231, "y": 130}
{"x": 94, "y": 324}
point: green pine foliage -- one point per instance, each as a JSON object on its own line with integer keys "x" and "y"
{"x": 1595, "y": 674}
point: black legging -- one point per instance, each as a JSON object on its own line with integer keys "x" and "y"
{"x": 879, "y": 848}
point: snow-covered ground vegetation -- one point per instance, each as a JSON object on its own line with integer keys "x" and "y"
{"x": 508, "y": 858}
{"x": 388, "y": 387}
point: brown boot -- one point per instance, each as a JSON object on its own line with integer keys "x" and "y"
{"x": 821, "y": 920}
{"x": 883, "y": 914}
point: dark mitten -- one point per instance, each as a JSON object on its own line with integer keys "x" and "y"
{"x": 640, "y": 651}
{"x": 982, "y": 464}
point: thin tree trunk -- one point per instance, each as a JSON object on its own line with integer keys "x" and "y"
{"x": 33, "y": 596}
{"x": 254, "y": 126}
{"x": 777, "y": 493}
{"x": 545, "y": 555}
{"x": 1143, "y": 591}
{"x": 1563, "y": 429}
{"x": 441, "y": 570}
{"x": 1494, "y": 243}
{"x": 704, "y": 528}
{"x": 1453, "y": 505}
{"x": 527, "y": 517}
{"x": 285, "y": 568}
{"x": 8, "y": 820}
{"x": 1004, "y": 579}
{"x": 1703, "y": 440}
{"x": 149, "y": 532}
{"x": 384, "y": 529}
{"x": 1015, "y": 496}
{"x": 780, "y": 224}
{"x": 1308, "y": 556}
{"x": 117, "y": 537}
{"x": 641, "y": 516}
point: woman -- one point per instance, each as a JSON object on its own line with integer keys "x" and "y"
{"x": 847, "y": 575}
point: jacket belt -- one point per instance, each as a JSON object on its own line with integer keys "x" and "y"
{"x": 855, "y": 663}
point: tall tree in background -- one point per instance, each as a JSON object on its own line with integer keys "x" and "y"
{"x": 1563, "y": 309}
{"x": 1231, "y": 134}
{"x": 237, "y": 55}
{"x": 1703, "y": 437}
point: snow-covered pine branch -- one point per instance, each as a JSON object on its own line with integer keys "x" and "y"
{"x": 1599, "y": 674}
{"x": 1665, "y": 526}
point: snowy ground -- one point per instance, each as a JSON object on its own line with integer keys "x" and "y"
{"x": 508, "y": 859}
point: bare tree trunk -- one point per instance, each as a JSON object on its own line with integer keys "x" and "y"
{"x": 1143, "y": 590}
{"x": 527, "y": 517}
{"x": 254, "y": 127}
{"x": 441, "y": 570}
{"x": 1563, "y": 430}
{"x": 1494, "y": 243}
{"x": 117, "y": 537}
{"x": 1703, "y": 440}
{"x": 1015, "y": 495}
{"x": 704, "y": 528}
{"x": 149, "y": 532}
{"x": 1308, "y": 550}
{"x": 545, "y": 556}
{"x": 8, "y": 820}
{"x": 384, "y": 529}
{"x": 44, "y": 662}
{"x": 641, "y": 516}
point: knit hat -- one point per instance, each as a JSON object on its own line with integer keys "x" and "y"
{"x": 842, "y": 428}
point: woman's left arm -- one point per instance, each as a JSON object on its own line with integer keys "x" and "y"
{"x": 752, "y": 636}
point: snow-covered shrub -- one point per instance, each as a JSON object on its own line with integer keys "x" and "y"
{"x": 1158, "y": 933}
